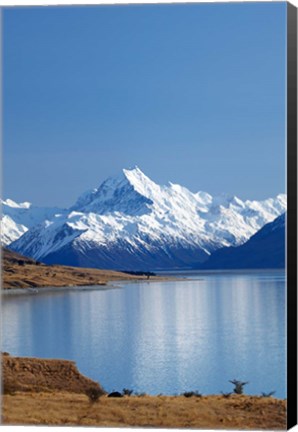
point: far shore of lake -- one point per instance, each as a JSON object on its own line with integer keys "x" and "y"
{"x": 52, "y": 289}
{"x": 22, "y": 275}
{"x": 7, "y": 292}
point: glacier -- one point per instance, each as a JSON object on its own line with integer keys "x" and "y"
{"x": 131, "y": 223}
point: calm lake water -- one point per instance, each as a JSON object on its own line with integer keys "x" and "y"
{"x": 161, "y": 337}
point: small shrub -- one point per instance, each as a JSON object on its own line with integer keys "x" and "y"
{"x": 188, "y": 394}
{"x": 268, "y": 394}
{"x": 238, "y": 389}
{"x": 115, "y": 394}
{"x": 191, "y": 394}
{"x": 226, "y": 395}
{"x": 127, "y": 392}
{"x": 93, "y": 394}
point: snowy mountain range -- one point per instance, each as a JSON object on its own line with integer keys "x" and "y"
{"x": 129, "y": 222}
{"x": 265, "y": 249}
{"x": 17, "y": 218}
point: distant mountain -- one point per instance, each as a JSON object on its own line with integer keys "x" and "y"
{"x": 265, "y": 249}
{"x": 17, "y": 218}
{"x": 131, "y": 223}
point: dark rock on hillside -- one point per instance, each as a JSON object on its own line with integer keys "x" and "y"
{"x": 122, "y": 257}
{"x": 11, "y": 257}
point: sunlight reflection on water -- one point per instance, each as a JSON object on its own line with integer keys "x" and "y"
{"x": 161, "y": 337}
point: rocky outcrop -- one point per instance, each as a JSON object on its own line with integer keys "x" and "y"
{"x": 24, "y": 374}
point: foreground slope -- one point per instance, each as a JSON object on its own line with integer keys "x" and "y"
{"x": 53, "y": 392}
{"x": 27, "y": 374}
{"x": 132, "y": 223}
{"x": 265, "y": 249}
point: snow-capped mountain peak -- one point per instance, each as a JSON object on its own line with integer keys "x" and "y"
{"x": 20, "y": 217}
{"x": 141, "y": 183}
{"x": 131, "y": 222}
{"x": 10, "y": 203}
{"x": 127, "y": 193}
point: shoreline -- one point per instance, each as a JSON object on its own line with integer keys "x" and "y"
{"x": 22, "y": 275}
{"x": 7, "y": 292}
{"x": 116, "y": 284}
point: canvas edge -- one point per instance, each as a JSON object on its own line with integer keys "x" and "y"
{"x": 291, "y": 215}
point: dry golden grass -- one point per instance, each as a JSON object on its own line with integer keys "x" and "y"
{"x": 29, "y": 274}
{"x": 215, "y": 412}
{"x": 28, "y": 374}
{"x": 59, "y": 276}
{"x": 53, "y": 392}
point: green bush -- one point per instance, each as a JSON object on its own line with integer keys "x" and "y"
{"x": 93, "y": 394}
{"x": 238, "y": 389}
{"x": 226, "y": 395}
{"x": 191, "y": 394}
{"x": 140, "y": 394}
{"x": 267, "y": 394}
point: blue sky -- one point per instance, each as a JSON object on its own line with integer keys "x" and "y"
{"x": 191, "y": 93}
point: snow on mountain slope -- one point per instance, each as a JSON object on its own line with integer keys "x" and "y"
{"x": 115, "y": 194}
{"x": 10, "y": 230}
{"x": 265, "y": 249}
{"x": 130, "y": 222}
{"x": 17, "y": 218}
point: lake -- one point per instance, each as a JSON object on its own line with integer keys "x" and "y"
{"x": 166, "y": 337}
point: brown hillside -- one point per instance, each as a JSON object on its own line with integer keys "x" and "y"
{"x": 11, "y": 257}
{"x": 22, "y": 272}
{"x": 53, "y": 392}
{"x": 23, "y": 374}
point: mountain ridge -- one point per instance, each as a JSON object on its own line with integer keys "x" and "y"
{"x": 131, "y": 221}
{"x": 265, "y": 249}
